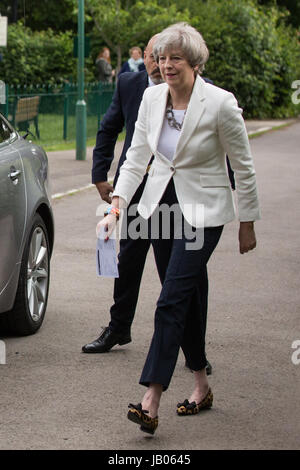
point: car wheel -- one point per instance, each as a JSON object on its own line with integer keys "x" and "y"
{"x": 30, "y": 305}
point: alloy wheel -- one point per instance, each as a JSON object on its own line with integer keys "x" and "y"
{"x": 37, "y": 274}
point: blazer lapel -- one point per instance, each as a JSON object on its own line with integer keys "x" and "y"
{"x": 193, "y": 115}
{"x": 158, "y": 107}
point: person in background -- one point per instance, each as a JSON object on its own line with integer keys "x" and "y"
{"x": 105, "y": 72}
{"x": 135, "y": 63}
{"x": 189, "y": 126}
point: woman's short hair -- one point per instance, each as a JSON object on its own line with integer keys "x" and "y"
{"x": 136, "y": 48}
{"x": 186, "y": 38}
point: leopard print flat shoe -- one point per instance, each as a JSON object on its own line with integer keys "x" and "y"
{"x": 186, "y": 408}
{"x": 137, "y": 415}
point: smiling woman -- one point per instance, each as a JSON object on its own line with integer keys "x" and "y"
{"x": 188, "y": 125}
{"x": 176, "y": 71}
{"x": 189, "y": 42}
{"x": 180, "y": 57}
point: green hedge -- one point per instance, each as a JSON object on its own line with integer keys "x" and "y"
{"x": 40, "y": 57}
{"x": 253, "y": 54}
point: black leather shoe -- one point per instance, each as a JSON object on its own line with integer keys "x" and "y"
{"x": 106, "y": 341}
{"x": 208, "y": 367}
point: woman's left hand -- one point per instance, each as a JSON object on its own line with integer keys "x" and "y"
{"x": 247, "y": 237}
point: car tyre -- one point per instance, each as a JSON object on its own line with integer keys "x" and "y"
{"x": 30, "y": 305}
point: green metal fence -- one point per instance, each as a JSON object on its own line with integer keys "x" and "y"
{"x": 55, "y": 119}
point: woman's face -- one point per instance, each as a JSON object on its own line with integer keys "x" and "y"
{"x": 175, "y": 69}
{"x": 106, "y": 53}
{"x": 135, "y": 54}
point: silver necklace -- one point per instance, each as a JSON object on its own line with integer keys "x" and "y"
{"x": 171, "y": 118}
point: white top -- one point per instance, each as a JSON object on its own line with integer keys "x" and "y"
{"x": 150, "y": 83}
{"x": 169, "y": 136}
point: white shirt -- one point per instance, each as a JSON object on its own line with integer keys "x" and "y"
{"x": 150, "y": 83}
{"x": 169, "y": 136}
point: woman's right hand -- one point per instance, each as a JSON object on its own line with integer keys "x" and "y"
{"x": 247, "y": 237}
{"x": 106, "y": 226}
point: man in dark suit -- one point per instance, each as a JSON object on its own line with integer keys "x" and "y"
{"x": 124, "y": 110}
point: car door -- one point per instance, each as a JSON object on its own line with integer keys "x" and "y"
{"x": 12, "y": 203}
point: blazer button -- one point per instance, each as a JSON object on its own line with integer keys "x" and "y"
{"x": 172, "y": 168}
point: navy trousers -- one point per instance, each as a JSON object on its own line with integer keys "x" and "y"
{"x": 131, "y": 263}
{"x": 179, "y": 322}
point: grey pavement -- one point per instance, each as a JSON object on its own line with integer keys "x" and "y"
{"x": 55, "y": 397}
{"x": 69, "y": 175}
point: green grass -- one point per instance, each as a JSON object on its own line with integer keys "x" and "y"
{"x": 51, "y": 132}
{"x": 64, "y": 145}
{"x": 274, "y": 128}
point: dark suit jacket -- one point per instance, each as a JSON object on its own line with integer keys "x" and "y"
{"x": 122, "y": 111}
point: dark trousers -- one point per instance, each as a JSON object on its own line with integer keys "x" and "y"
{"x": 131, "y": 262}
{"x": 179, "y": 321}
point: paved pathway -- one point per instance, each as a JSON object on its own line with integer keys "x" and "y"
{"x": 69, "y": 175}
{"x": 55, "y": 397}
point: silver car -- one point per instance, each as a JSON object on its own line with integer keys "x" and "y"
{"x": 26, "y": 233}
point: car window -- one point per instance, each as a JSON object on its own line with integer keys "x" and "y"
{"x": 6, "y": 131}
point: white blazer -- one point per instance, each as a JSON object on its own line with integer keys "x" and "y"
{"x": 213, "y": 126}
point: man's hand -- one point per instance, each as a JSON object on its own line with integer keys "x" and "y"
{"x": 247, "y": 237}
{"x": 105, "y": 189}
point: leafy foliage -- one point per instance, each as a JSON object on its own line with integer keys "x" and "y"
{"x": 37, "y": 57}
{"x": 252, "y": 53}
{"x": 122, "y": 24}
{"x": 292, "y": 7}
{"x": 56, "y": 15}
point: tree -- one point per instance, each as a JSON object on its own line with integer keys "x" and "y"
{"x": 290, "y": 6}
{"x": 39, "y": 57}
{"x": 253, "y": 53}
{"x": 126, "y": 23}
{"x": 39, "y": 15}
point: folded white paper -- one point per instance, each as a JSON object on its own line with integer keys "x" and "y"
{"x": 107, "y": 265}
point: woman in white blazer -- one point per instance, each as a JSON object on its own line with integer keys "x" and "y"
{"x": 189, "y": 126}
